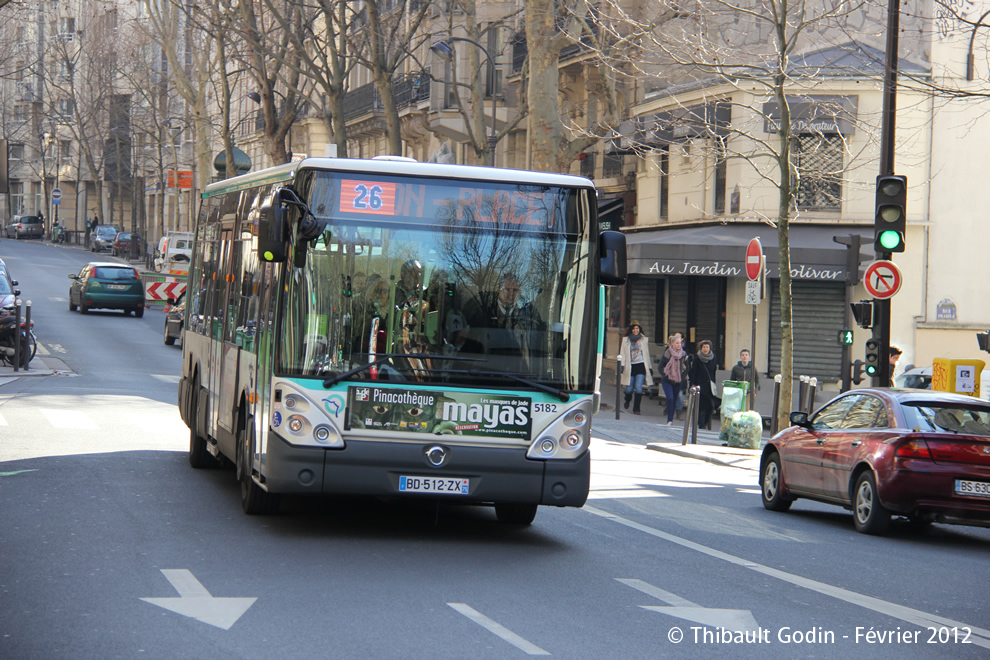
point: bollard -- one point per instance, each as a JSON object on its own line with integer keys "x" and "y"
{"x": 696, "y": 394}
{"x": 618, "y": 386}
{"x": 812, "y": 388}
{"x": 776, "y": 405}
{"x": 17, "y": 344}
{"x": 688, "y": 413}
{"x": 27, "y": 344}
{"x": 802, "y": 393}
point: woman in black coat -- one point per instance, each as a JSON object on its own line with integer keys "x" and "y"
{"x": 703, "y": 374}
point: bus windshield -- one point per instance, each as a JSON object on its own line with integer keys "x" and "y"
{"x": 438, "y": 281}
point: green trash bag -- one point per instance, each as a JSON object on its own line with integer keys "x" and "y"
{"x": 733, "y": 401}
{"x": 746, "y": 430}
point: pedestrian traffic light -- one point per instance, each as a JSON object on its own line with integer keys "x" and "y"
{"x": 857, "y": 371}
{"x": 872, "y": 363}
{"x": 891, "y": 217}
{"x": 863, "y": 313}
{"x": 845, "y": 337}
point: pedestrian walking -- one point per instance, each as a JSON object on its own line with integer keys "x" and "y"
{"x": 703, "y": 374}
{"x": 744, "y": 370}
{"x": 635, "y": 351}
{"x": 673, "y": 370}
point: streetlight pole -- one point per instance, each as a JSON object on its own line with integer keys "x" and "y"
{"x": 445, "y": 50}
{"x": 175, "y": 172}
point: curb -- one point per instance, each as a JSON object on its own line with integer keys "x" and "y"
{"x": 734, "y": 457}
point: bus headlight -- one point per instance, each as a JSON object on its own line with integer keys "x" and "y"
{"x": 566, "y": 437}
{"x": 306, "y": 423}
{"x": 296, "y": 423}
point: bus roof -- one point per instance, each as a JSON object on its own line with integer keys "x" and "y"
{"x": 287, "y": 172}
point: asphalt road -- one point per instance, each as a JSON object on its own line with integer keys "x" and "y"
{"x": 111, "y": 546}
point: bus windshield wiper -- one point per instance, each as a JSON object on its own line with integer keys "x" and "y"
{"x": 553, "y": 391}
{"x": 384, "y": 357}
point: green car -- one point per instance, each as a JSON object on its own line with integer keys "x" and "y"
{"x": 102, "y": 285}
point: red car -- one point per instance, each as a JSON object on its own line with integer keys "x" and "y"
{"x": 886, "y": 452}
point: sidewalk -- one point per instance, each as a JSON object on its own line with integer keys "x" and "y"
{"x": 650, "y": 428}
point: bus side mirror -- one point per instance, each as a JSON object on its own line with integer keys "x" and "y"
{"x": 272, "y": 224}
{"x": 612, "y": 258}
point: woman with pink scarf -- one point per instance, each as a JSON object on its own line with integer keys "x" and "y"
{"x": 673, "y": 370}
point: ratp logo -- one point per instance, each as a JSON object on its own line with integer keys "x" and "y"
{"x": 334, "y": 404}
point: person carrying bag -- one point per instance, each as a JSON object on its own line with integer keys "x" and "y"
{"x": 635, "y": 351}
{"x": 703, "y": 373}
{"x": 673, "y": 370}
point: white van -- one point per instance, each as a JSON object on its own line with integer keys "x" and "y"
{"x": 174, "y": 252}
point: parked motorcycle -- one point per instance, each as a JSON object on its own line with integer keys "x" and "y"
{"x": 8, "y": 335}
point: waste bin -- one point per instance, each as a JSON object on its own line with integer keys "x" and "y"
{"x": 733, "y": 401}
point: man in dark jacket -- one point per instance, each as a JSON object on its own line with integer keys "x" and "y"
{"x": 745, "y": 370}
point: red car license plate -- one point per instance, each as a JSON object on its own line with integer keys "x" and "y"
{"x": 974, "y": 488}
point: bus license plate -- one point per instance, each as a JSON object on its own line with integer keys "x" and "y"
{"x": 438, "y": 485}
{"x": 975, "y": 488}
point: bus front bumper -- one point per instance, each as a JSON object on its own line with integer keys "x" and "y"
{"x": 375, "y": 468}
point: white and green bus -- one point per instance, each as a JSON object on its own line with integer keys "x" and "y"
{"x": 391, "y": 328}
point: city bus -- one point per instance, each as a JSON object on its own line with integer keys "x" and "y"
{"x": 392, "y": 328}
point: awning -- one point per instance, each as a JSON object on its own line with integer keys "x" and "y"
{"x": 720, "y": 250}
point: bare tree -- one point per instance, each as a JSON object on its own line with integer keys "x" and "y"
{"x": 320, "y": 44}
{"x": 382, "y": 39}
{"x": 741, "y": 46}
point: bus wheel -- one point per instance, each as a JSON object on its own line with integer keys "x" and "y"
{"x": 255, "y": 500}
{"x": 199, "y": 457}
{"x": 515, "y": 514}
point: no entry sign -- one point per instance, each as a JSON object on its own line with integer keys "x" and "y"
{"x": 754, "y": 259}
{"x": 882, "y": 279}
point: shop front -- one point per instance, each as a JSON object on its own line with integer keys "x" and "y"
{"x": 692, "y": 280}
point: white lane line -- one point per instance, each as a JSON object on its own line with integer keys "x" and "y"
{"x": 3, "y": 421}
{"x": 656, "y": 592}
{"x": 67, "y": 419}
{"x": 908, "y": 614}
{"x": 167, "y": 378}
{"x": 498, "y": 629}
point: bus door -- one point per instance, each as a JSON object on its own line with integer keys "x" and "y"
{"x": 266, "y": 359}
{"x": 219, "y": 360}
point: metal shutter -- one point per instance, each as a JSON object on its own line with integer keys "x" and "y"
{"x": 819, "y": 314}
{"x": 677, "y": 309}
{"x": 642, "y": 304}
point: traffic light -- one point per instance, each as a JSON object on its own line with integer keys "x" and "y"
{"x": 872, "y": 362}
{"x": 348, "y": 290}
{"x": 857, "y": 371}
{"x": 863, "y": 313}
{"x": 983, "y": 339}
{"x": 845, "y": 337}
{"x": 890, "y": 224}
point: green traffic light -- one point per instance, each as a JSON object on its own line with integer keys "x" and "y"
{"x": 871, "y": 370}
{"x": 890, "y": 240}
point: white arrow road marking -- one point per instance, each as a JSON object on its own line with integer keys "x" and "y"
{"x": 980, "y": 636}
{"x": 734, "y": 620}
{"x": 196, "y": 602}
{"x": 3, "y": 421}
{"x": 498, "y": 629}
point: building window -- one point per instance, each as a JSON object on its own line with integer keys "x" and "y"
{"x": 16, "y": 151}
{"x": 818, "y": 160}
{"x": 612, "y": 166}
{"x": 588, "y": 165}
{"x": 16, "y": 198}
{"x": 721, "y": 172}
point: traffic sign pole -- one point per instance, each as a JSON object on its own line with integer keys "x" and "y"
{"x": 755, "y": 269}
